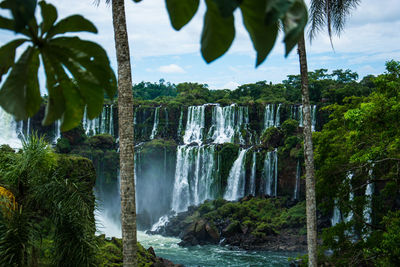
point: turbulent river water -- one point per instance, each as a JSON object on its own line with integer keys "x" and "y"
{"x": 167, "y": 247}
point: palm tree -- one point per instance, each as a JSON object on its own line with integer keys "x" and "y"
{"x": 333, "y": 14}
{"x": 125, "y": 125}
{"x": 40, "y": 198}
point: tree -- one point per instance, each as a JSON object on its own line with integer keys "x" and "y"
{"x": 77, "y": 71}
{"x": 43, "y": 198}
{"x": 126, "y": 135}
{"x": 362, "y": 138}
{"x": 261, "y": 19}
{"x": 332, "y": 14}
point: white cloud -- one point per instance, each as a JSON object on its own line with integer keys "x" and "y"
{"x": 231, "y": 85}
{"x": 172, "y": 68}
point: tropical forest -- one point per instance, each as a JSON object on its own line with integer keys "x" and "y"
{"x": 137, "y": 133}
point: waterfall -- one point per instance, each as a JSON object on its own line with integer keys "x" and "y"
{"x": 227, "y": 123}
{"x": 28, "y": 127}
{"x": 91, "y": 126}
{"x": 336, "y": 214}
{"x": 57, "y": 132}
{"x": 243, "y": 122}
{"x": 180, "y": 124}
{"x": 368, "y": 208}
{"x": 296, "y": 193}
{"x": 313, "y": 117}
{"x": 351, "y": 197}
{"x": 193, "y": 176}
{"x": 102, "y": 124}
{"x": 236, "y": 179}
{"x": 103, "y": 120}
{"x": 223, "y": 124}
{"x": 369, "y": 191}
{"x": 270, "y": 173}
{"x": 252, "y": 189}
{"x": 269, "y": 116}
{"x": 301, "y": 115}
{"x": 8, "y": 130}
{"x": 296, "y": 113}
{"x": 111, "y": 122}
{"x": 155, "y": 124}
{"x": 195, "y": 125}
{"x": 278, "y": 116}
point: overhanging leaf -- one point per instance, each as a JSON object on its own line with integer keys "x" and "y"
{"x": 89, "y": 87}
{"x": 49, "y": 15}
{"x": 23, "y": 11}
{"x": 20, "y": 93}
{"x": 181, "y": 12}
{"x": 227, "y": 7}
{"x": 56, "y": 103}
{"x": 262, "y": 35}
{"x": 8, "y": 24}
{"x": 93, "y": 58}
{"x": 7, "y": 55}
{"x": 74, "y": 104}
{"x": 276, "y": 9}
{"x": 218, "y": 33}
{"x": 74, "y": 23}
{"x": 293, "y": 24}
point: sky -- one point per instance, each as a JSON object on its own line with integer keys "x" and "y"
{"x": 371, "y": 38}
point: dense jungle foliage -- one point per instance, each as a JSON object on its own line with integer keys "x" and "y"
{"x": 47, "y": 211}
{"x": 324, "y": 87}
{"x": 358, "y": 151}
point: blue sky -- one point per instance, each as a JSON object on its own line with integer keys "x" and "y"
{"x": 371, "y": 37}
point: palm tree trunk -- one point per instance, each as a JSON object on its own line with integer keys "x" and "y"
{"x": 309, "y": 158}
{"x": 125, "y": 124}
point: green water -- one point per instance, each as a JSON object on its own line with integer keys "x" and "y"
{"x": 168, "y": 248}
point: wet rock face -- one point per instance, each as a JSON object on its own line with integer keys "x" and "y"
{"x": 243, "y": 224}
{"x": 200, "y": 232}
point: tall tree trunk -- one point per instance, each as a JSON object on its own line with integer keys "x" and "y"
{"x": 309, "y": 158}
{"x": 125, "y": 124}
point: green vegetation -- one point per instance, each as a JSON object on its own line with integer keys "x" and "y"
{"x": 260, "y": 216}
{"x": 51, "y": 198}
{"x": 77, "y": 71}
{"x": 360, "y": 146}
{"x": 110, "y": 253}
{"x": 325, "y": 88}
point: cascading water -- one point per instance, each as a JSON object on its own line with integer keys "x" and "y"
{"x": 278, "y": 116}
{"x": 269, "y": 116}
{"x": 369, "y": 191}
{"x": 223, "y": 124}
{"x": 296, "y": 113}
{"x": 179, "y": 134}
{"x": 252, "y": 189}
{"x": 8, "y": 130}
{"x": 155, "y": 124}
{"x": 227, "y": 124}
{"x": 313, "y": 117}
{"x": 57, "y": 131}
{"x": 195, "y": 125}
{"x": 236, "y": 179}
{"x": 351, "y": 196}
{"x": 301, "y": 115}
{"x": 111, "y": 121}
{"x": 336, "y": 214}
{"x": 270, "y": 173}
{"x": 297, "y": 184}
{"x": 101, "y": 124}
{"x": 193, "y": 176}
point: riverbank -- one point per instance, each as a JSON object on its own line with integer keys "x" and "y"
{"x": 269, "y": 224}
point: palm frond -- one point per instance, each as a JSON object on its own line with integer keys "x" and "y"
{"x": 331, "y": 14}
